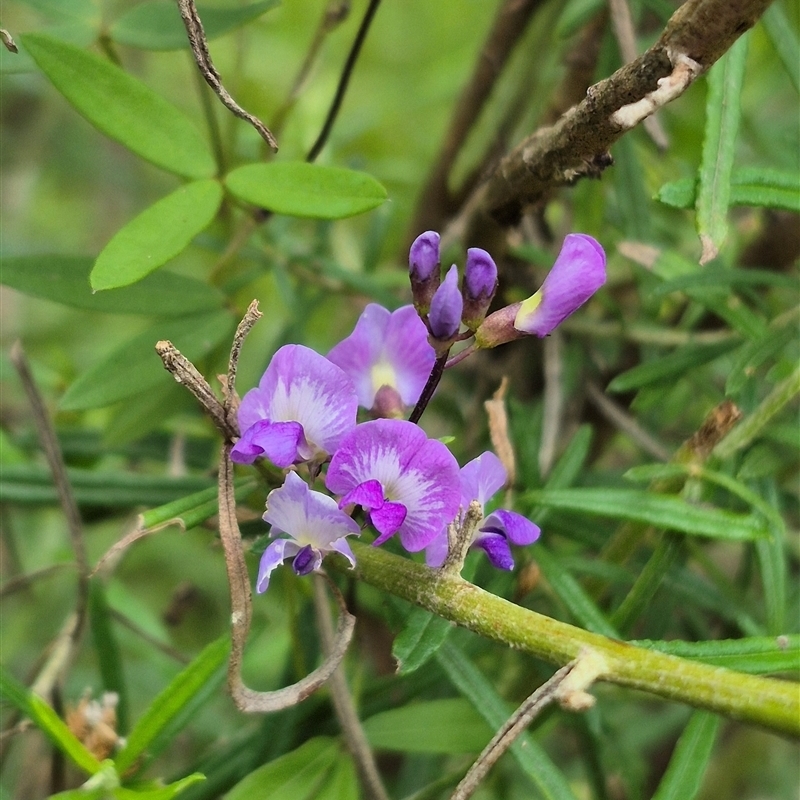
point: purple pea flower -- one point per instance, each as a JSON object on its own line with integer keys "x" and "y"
{"x": 481, "y": 479}
{"x": 423, "y": 266}
{"x": 478, "y": 287}
{"x": 300, "y": 411}
{"x": 388, "y": 358}
{"x": 408, "y": 484}
{"x": 444, "y": 316}
{"x": 579, "y": 271}
{"x": 314, "y": 524}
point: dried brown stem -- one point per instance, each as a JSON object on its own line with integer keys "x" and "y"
{"x": 509, "y": 24}
{"x": 698, "y": 33}
{"x": 246, "y": 699}
{"x": 20, "y": 582}
{"x": 343, "y": 703}
{"x": 55, "y": 461}
{"x": 199, "y": 46}
{"x": 251, "y": 316}
{"x": 8, "y": 41}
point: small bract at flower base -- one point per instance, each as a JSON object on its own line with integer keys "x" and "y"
{"x": 314, "y": 524}
{"x": 302, "y": 408}
{"x": 408, "y": 484}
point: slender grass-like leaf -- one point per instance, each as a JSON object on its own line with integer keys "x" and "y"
{"x": 754, "y": 353}
{"x": 122, "y": 107}
{"x": 783, "y": 36}
{"x": 684, "y": 776}
{"x": 756, "y": 654}
{"x": 722, "y": 126}
{"x": 156, "y": 235}
{"x": 157, "y": 24}
{"x": 773, "y": 565}
{"x": 172, "y": 701}
{"x": 134, "y": 366}
{"x": 33, "y": 483}
{"x": 719, "y": 278}
{"x": 65, "y": 280}
{"x": 298, "y": 189}
{"x": 419, "y": 640}
{"x": 434, "y": 726}
{"x": 109, "y": 657}
{"x": 669, "y": 513}
{"x": 141, "y": 792}
{"x": 530, "y": 755}
{"x": 295, "y": 775}
{"x": 43, "y": 716}
{"x": 670, "y": 366}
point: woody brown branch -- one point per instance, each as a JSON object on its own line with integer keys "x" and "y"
{"x": 696, "y": 36}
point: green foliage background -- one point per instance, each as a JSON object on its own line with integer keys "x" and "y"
{"x": 665, "y": 342}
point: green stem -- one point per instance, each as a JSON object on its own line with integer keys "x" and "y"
{"x": 765, "y": 701}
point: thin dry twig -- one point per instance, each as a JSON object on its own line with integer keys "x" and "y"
{"x": 8, "y": 41}
{"x": 343, "y": 703}
{"x": 230, "y": 405}
{"x": 498, "y": 431}
{"x": 165, "y": 648}
{"x": 246, "y": 699}
{"x": 199, "y": 46}
{"x": 20, "y": 582}
{"x": 55, "y": 461}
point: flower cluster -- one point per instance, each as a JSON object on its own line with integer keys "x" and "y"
{"x": 304, "y": 411}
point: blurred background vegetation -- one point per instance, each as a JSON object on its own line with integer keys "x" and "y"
{"x": 67, "y": 189}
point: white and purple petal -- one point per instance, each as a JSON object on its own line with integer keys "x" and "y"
{"x": 273, "y": 557}
{"x": 409, "y": 352}
{"x": 482, "y": 478}
{"x": 517, "y": 529}
{"x": 414, "y": 471}
{"x": 281, "y": 442}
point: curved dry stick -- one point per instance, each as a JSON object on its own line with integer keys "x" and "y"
{"x": 697, "y": 34}
{"x": 246, "y": 699}
{"x": 199, "y": 46}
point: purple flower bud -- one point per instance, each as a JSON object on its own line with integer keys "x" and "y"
{"x": 307, "y": 560}
{"x": 423, "y": 263}
{"x": 579, "y": 271}
{"x": 478, "y": 287}
{"x": 444, "y": 317}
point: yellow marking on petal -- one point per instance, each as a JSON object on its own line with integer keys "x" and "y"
{"x": 383, "y": 374}
{"x": 527, "y": 309}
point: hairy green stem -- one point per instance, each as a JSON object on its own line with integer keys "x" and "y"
{"x": 769, "y": 702}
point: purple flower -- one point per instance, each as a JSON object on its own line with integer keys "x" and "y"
{"x": 304, "y": 405}
{"x": 481, "y": 479}
{"x": 314, "y": 524}
{"x": 444, "y": 317}
{"x": 423, "y": 265}
{"x": 408, "y": 484}
{"x": 478, "y": 287}
{"x": 387, "y": 357}
{"x": 579, "y": 271}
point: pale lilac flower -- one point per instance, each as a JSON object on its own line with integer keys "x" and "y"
{"x": 302, "y": 408}
{"x": 314, "y": 524}
{"x": 481, "y": 479}
{"x": 408, "y": 484}
{"x": 387, "y": 356}
{"x": 478, "y": 287}
{"x": 423, "y": 266}
{"x": 447, "y": 304}
{"x": 579, "y": 271}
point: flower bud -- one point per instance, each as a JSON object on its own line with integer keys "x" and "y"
{"x": 444, "y": 317}
{"x": 423, "y": 263}
{"x": 579, "y": 271}
{"x": 478, "y": 287}
{"x": 498, "y": 328}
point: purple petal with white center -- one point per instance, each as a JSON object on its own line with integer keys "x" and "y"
{"x": 423, "y": 257}
{"x": 482, "y": 478}
{"x": 280, "y": 442}
{"x": 386, "y": 349}
{"x": 579, "y": 271}
{"x": 447, "y": 304}
{"x": 415, "y": 471}
{"x": 368, "y": 495}
{"x": 273, "y": 557}
{"x": 302, "y": 386}
{"x": 517, "y": 529}
{"x": 496, "y": 548}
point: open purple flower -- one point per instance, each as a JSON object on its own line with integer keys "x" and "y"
{"x": 408, "y": 484}
{"x": 314, "y": 524}
{"x": 579, "y": 271}
{"x": 387, "y": 353}
{"x": 481, "y": 479}
{"x": 302, "y": 408}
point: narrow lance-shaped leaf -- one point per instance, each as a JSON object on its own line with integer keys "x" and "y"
{"x": 122, "y": 107}
{"x": 298, "y": 189}
{"x": 784, "y": 39}
{"x": 157, "y": 235}
{"x": 722, "y": 125}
